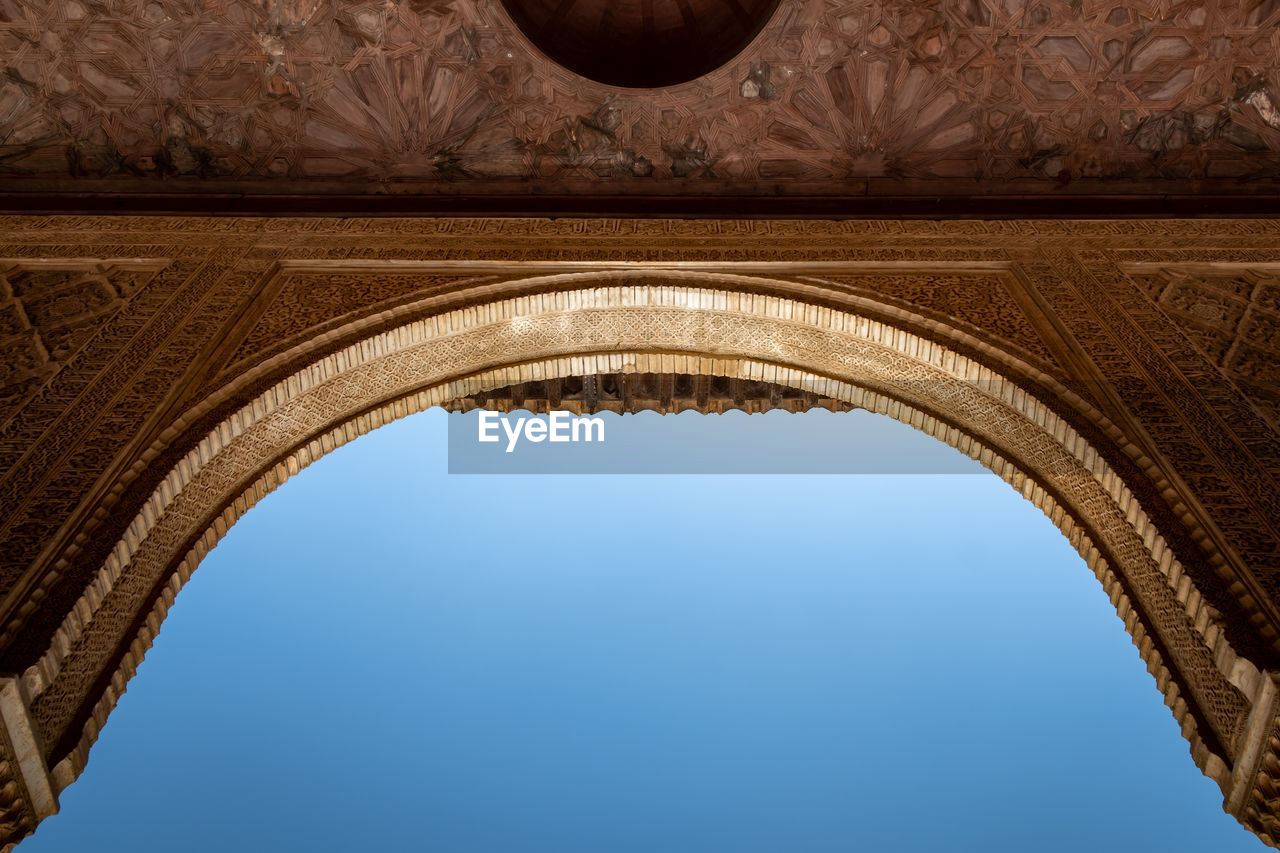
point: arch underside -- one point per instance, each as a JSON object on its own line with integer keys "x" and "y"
{"x": 630, "y": 392}
{"x": 665, "y": 347}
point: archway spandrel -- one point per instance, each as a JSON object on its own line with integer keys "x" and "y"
{"x": 1153, "y": 401}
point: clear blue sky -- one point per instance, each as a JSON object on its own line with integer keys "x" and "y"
{"x": 385, "y": 657}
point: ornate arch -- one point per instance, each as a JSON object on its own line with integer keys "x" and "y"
{"x": 1223, "y": 703}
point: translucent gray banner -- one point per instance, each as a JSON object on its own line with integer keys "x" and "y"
{"x": 776, "y": 442}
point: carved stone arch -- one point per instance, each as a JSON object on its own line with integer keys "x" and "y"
{"x": 815, "y": 290}
{"x": 1223, "y": 703}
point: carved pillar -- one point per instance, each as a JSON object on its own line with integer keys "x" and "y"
{"x": 27, "y": 790}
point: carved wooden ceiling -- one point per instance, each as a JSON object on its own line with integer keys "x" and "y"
{"x": 448, "y": 99}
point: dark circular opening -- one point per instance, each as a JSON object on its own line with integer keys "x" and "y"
{"x": 642, "y": 44}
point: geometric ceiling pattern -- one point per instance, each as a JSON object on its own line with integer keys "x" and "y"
{"x": 834, "y": 97}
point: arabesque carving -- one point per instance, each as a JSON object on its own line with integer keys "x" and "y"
{"x": 448, "y": 98}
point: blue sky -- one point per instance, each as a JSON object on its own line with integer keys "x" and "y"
{"x": 385, "y": 657}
